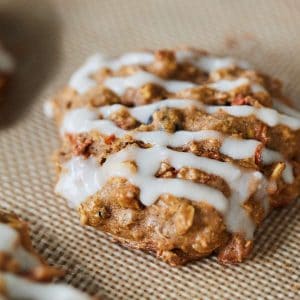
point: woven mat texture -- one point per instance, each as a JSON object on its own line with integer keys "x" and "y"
{"x": 50, "y": 39}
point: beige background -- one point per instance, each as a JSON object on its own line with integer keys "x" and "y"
{"x": 50, "y": 39}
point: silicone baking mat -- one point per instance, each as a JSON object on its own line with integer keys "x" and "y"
{"x": 50, "y": 39}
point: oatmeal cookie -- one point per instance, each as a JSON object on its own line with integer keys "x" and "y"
{"x": 176, "y": 152}
{"x": 23, "y": 273}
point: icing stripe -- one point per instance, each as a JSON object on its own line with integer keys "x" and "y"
{"x": 268, "y": 116}
{"x": 212, "y": 63}
{"x": 120, "y": 84}
{"x": 224, "y": 85}
{"x": 10, "y": 243}
{"x": 81, "y": 80}
{"x": 209, "y": 63}
{"x": 7, "y": 63}
{"x": 280, "y": 106}
{"x": 20, "y": 288}
{"x": 48, "y": 109}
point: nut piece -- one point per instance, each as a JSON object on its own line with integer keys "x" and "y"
{"x": 236, "y": 250}
{"x": 183, "y": 218}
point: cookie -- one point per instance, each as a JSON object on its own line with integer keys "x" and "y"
{"x": 176, "y": 152}
{"x": 23, "y": 273}
{"x": 6, "y": 66}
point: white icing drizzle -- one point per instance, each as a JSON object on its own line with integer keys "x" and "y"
{"x": 268, "y": 116}
{"x": 228, "y": 85}
{"x": 239, "y": 148}
{"x": 176, "y": 139}
{"x": 7, "y": 62}
{"x": 151, "y": 187}
{"x": 78, "y": 120}
{"x": 280, "y": 106}
{"x": 84, "y": 120}
{"x": 9, "y": 238}
{"x": 82, "y": 178}
{"x": 133, "y": 58}
{"x": 18, "y": 288}
{"x": 120, "y": 84}
{"x": 81, "y": 80}
{"x": 209, "y": 63}
{"x": 212, "y": 63}
{"x": 270, "y": 156}
{"x": 48, "y": 109}
{"x": 10, "y": 243}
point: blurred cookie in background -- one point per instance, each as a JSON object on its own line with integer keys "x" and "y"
{"x": 7, "y": 66}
